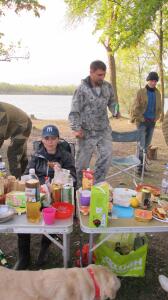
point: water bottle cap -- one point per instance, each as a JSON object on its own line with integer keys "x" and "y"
{"x": 32, "y": 171}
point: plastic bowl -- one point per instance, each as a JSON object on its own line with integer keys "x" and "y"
{"x": 64, "y": 210}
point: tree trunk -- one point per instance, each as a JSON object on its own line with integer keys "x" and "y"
{"x": 161, "y": 71}
{"x": 112, "y": 71}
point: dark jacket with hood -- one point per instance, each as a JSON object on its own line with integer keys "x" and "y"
{"x": 39, "y": 162}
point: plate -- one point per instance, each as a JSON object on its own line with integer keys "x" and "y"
{"x": 6, "y": 213}
{"x": 151, "y": 188}
{"x": 164, "y": 221}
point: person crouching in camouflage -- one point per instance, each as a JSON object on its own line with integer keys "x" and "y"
{"x": 89, "y": 121}
{"x": 16, "y": 125}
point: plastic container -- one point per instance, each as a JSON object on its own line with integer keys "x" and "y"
{"x": 49, "y": 215}
{"x": 63, "y": 210}
{"x": 122, "y": 196}
{"x": 143, "y": 215}
{"x": 85, "y": 198}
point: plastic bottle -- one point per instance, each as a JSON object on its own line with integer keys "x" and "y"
{"x": 164, "y": 184}
{"x": 32, "y": 174}
{"x": 138, "y": 242}
{"x": 2, "y": 169}
{"x": 3, "y": 260}
{"x": 116, "y": 110}
{"x": 32, "y": 191}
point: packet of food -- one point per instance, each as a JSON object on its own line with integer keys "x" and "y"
{"x": 87, "y": 179}
{"x": 99, "y": 204}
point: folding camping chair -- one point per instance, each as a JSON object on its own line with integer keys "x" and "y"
{"x": 128, "y": 164}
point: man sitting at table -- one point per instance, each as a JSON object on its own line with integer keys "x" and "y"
{"x": 49, "y": 150}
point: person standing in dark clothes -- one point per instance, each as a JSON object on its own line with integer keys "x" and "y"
{"x": 146, "y": 111}
{"x": 49, "y": 150}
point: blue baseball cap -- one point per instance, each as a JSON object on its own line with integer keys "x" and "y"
{"x": 50, "y": 130}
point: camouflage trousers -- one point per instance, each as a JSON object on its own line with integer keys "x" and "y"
{"x": 17, "y": 151}
{"x": 99, "y": 142}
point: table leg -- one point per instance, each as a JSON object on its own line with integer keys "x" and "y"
{"x": 65, "y": 251}
{"x": 90, "y": 247}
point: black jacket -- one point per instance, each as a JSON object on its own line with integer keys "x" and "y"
{"x": 39, "y": 161}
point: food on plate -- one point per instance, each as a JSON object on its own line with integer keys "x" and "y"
{"x": 159, "y": 212}
{"x": 151, "y": 188}
{"x": 164, "y": 197}
{"x": 143, "y": 215}
{"x": 163, "y": 204}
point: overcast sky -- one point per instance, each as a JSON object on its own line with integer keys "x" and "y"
{"x": 59, "y": 54}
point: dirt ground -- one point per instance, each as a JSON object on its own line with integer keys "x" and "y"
{"x": 131, "y": 288}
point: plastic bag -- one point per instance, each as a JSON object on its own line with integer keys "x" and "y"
{"x": 131, "y": 264}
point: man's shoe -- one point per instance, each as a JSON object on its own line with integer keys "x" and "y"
{"x": 163, "y": 282}
{"x": 43, "y": 255}
{"x": 24, "y": 252}
{"x": 22, "y": 263}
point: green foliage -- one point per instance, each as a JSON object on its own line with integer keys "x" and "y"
{"x": 22, "y": 89}
{"x": 133, "y": 65}
{"x": 17, "y": 6}
{"x": 120, "y": 22}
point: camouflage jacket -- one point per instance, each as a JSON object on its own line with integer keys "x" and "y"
{"x": 89, "y": 110}
{"x": 165, "y": 127}
{"x": 13, "y": 121}
{"x": 140, "y": 105}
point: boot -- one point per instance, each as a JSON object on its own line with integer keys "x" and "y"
{"x": 43, "y": 254}
{"x": 24, "y": 252}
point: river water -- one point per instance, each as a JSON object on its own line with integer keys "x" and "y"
{"x": 51, "y": 107}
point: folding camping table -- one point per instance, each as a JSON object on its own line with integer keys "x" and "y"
{"x": 117, "y": 226}
{"x": 19, "y": 224}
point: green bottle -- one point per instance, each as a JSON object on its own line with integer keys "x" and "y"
{"x": 116, "y": 110}
{"x": 138, "y": 242}
{"x": 3, "y": 260}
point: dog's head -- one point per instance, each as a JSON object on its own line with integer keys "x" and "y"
{"x": 108, "y": 282}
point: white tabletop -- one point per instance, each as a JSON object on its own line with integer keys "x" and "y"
{"x": 20, "y": 224}
{"x": 122, "y": 225}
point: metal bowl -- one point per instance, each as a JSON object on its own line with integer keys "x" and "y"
{"x": 6, "y": 213}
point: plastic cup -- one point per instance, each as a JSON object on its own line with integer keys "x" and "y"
{"x": 85, "y": 198}
{"x": 49, "y": 215}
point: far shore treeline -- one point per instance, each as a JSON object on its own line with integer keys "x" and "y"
{"x": 23, "y": 89}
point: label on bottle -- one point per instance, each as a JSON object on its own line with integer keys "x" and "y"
{"x": 32, "y": 194}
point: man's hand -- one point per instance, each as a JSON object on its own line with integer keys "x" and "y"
{"x": 117, "y": 116}
{"x": 79, "y": 134}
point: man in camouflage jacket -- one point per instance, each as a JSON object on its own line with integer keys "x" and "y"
{"x": 90, "y": 123}
{"x": 16, "y": 125}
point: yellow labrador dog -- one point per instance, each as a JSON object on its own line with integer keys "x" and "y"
{"x": 90, "y": 283}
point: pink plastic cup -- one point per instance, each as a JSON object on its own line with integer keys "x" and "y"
{"x": 49, "y": 215}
